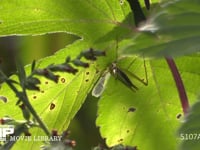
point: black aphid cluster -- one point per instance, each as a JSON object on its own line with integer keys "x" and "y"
{"x": 68, "y": 66}
{"x": 31, "y": 82}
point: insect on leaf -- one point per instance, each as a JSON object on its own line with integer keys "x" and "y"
{"x": 101, "y": 85}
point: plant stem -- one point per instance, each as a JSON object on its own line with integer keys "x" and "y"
{"x": 179, "y": 84}
{"x": 24, "y": 98}
{"x": 35, "y": 115}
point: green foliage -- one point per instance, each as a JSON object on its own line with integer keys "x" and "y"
{"x": 189, "y": 131}
{"x": 80, "y": 17}
{"x": 156, "y": 106}
{"x": 147, "y": 118}
{"x": 169, "y": 31}
{"x": 54, "y": 100}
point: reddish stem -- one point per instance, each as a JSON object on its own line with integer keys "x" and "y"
{"x": 179, "y": 84}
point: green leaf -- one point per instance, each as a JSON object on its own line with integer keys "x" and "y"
{"x": 55, "y": 103}
{"x": 149, "y": 117}
{"x": 172, "y": 29}
{"x": 84, "y": 18}
{"x": 189, "y": 132}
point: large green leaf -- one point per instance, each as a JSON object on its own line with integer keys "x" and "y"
{"x": 55, "y": 103}
{"x": 189, "y": 133}
{"x": 90, "y": 19}
{"x": 149, "y": 117}
{"x": 171, "y": 29}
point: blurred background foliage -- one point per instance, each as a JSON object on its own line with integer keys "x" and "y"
{"x": 83, "y": 129}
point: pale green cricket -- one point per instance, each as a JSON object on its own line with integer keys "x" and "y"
{"x": 118, "y": 74}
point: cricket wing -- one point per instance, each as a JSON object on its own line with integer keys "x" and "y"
{"x": 100, "y": 85}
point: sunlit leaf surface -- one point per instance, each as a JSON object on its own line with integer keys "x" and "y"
{"x": 55, "y": 103}
{"x": 90, "y": 19}
{"x": 147, "y": 118}
{"x": 141, "y": 118}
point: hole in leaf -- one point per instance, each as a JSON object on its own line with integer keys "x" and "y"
{"x": 46, "y": 82}
{"x": 120, "y": 140}
{"x": 121, "y": 2}
{"x": 52, "y": 106}
{"x": 42, "y": 91}
{"x": 4, "y": 99}
{"x": 178, "y": 116}
{"x": 87, "y": 73}
{"x": 63, "y": 80}
{"x": 86, "y": 80}
{"x": 131, "y": 109}
{"x": 127, "y": 131}
{"x": 34, "y": 97}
